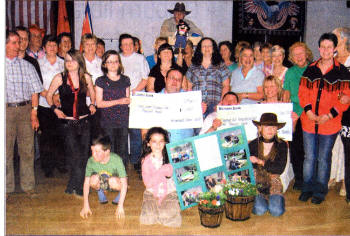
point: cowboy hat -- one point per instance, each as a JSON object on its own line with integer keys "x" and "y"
{"x": 269, "y": 119}
{"x": 179, "y": 6}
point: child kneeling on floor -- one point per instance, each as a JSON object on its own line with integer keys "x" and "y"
{"x": 104, "y": 171}
{"x": 160, "y": 203}
{"x": 268, "y": 153}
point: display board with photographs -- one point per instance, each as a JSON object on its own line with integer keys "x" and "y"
{"x": 203, "y": 161}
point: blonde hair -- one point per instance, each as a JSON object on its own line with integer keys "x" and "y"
{"x": 278, "y": 83}
{"x": 309, "y": 56}
{"x": 344, "y": 33}
{"x": 278, "y": 48}
{"x": 88, "y": 36}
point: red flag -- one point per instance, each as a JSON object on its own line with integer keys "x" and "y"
{"x": 62, "y": 23}
{"x": 87, "y": 24}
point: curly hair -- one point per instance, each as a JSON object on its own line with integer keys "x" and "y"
{"x": 228, "y": 44}
{"x": 309, "y": 55}
{"x": 198, "y": 56}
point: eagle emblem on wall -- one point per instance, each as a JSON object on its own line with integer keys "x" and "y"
{"x": 271, "y": 16}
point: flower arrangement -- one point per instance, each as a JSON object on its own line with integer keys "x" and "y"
{"x": 240, "y": 188}
{"x": 215, "y": 198}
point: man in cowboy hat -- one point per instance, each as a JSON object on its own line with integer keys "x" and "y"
{"x": 169, "y": 28}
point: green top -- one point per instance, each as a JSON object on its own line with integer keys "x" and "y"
{"x": 291, "y": 84}
{"x": 114, "y": 167}
{"x": 233, "y": 66}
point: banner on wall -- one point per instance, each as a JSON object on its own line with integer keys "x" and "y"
{"x": 87, "y": 23}
{"x": 200, "y": 162}
{"x": 170, "y": 111}
{"x": 62, "y": 22}
{"x": 244, "y": 114}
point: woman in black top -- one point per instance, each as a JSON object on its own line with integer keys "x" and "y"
{"x": 165, "y": 62}
{"x": 73, "y": 85}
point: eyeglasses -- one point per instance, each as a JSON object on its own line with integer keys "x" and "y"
{"x": 112, "y": 62}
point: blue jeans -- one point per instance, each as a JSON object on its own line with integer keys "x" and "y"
{"x": 317, "y": 163}
{"x": 135, "y": 145}
{"x": 275, "y": 205}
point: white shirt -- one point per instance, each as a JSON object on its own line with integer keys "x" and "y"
{"x": 94, "y": 68}
{"x": 135, "y": 67}
{"x": 48, "y": 72}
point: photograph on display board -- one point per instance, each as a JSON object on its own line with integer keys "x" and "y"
{"x": 214, "y": 179}
{"x": 190, "y": 196}
{"x": 240, "y": 175}
{"x": 182, "y": 152}
{"x": 236, "y": 160}
{"x": 231, "y": 138}
{"x": 187, "y": 174}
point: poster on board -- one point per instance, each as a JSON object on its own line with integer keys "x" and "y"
{"x": 202, "y": 161}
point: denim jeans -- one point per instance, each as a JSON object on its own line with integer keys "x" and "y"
{"x": 317, "y": 163}
{"x": 135, "y": 145}
{"x": 77, "y": 146}
{"x": 275, "y": 205}
{"x": 119, "y": 141}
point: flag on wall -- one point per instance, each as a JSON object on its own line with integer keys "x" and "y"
{"x": 28, "y": 12}
{"x": 87, "y": 23}
{"x": 63, "y": 22}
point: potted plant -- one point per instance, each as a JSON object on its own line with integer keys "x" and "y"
{"x": 211, "y": 206}
{"x": 240, "y": 199}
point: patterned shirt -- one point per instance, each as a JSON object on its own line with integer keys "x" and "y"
{"x": 22, "y": 80}
{"x": 36, "y": 55}
{"x": 209, "y": 81}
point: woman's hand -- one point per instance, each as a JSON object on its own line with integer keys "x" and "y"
{"x": 312, "y": 116}
{"x": 60, "y": 114}
{"x": 255, "y": 160}
{"x": 92, "y": 109}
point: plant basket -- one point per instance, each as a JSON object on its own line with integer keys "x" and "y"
{"x": 239, "y": 208}
{"x": 210, "y": 217}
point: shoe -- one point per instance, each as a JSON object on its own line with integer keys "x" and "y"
{"x": 116, "y": 199}
{"x": 331, "y": 183}
{"x": 342, "y": 192}
{"x": 49, "y": 174}
{"x": 316, "y": 200}
{"x": 62, "y": 170}
{"x": 347, "y": 201}
{"x": 101, "y": 196}
{"x": 78, "y": 194}
{"x": 68, "y": 191}
{"x": 304, "y": 196}
{"x": 137, "y": 166}
{"x": 297, "y": 186}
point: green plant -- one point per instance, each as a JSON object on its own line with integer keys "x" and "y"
{"x": 240, "y": 188}
{"x": 213, "y": 199}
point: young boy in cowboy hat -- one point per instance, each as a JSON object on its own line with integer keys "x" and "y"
{"x": 268, "y": 153}
{"x": 169, "y": 26}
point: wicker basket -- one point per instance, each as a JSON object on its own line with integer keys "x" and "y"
{"x": 210, "y": 217}
{"x": 239, "y": 208}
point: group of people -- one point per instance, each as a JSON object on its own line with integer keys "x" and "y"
{"x": 80, "y": 100}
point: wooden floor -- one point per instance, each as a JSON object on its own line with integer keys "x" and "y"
{"x": 54, "y": 212}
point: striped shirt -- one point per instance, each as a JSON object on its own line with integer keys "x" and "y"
{"x": 22, "y": 80}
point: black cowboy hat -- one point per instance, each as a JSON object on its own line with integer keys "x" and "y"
{"x": 179, "y": 6}
{"x": 269, "y": 119}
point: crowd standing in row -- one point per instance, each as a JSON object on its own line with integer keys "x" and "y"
{"x": 77, "y": 96}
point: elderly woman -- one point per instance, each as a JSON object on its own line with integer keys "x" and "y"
{"x": 266, "y": 66}
{"x": 341, "y": 150}
{"x": 247, "y": 80}
{"x": 207, "y": 74}
{"x": 238, "y": 48}
{"x": 73, "y": 85}
{"x": 320, "y": 86}
{"x": 165, "y": 62}
{"x": 300, "y": 55}
{"x": 278, "y": 69}
{"x": 227, "y": 55}
{"x": 272, "y": 90}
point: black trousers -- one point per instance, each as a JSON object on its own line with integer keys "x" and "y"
{"x": 50, "y": 142}
{"x": 346, "y": 143}
{"x": 297, "y": 153}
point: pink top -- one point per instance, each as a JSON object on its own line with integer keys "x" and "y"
{"x": 154, "y": 177}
